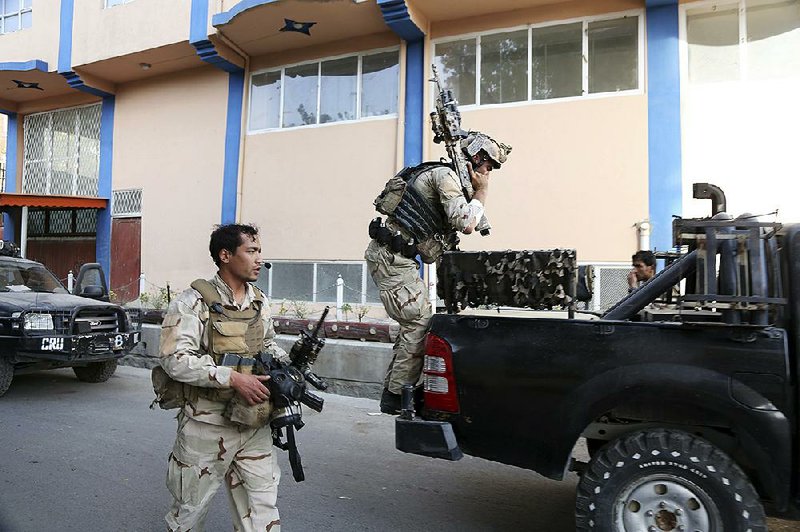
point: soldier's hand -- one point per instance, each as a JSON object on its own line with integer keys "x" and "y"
{"x": 479, "y": 181}
{"x": 250, "y": 387}
{"x": 633, "y": 281}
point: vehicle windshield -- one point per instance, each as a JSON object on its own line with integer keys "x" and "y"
{"x": 21, "y": 277}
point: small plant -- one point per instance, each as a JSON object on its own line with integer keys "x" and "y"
{"x": 283, "y": 309}
{"x": 112, "y": 296}
{"x": 144, "y": 297}
{"x": 347, "y": 308}
{"x": 361, "y": 311}
{"x": 300, "y": 309}
{"x": 163, "y": 298}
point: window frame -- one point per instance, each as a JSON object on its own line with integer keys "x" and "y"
{"x": 365, "y": 279}
{"x": 19, "y": 12}
{"x": 742, "y": 43}
{"x": 318, "y": 62}
{"x": 109, "y": 4}
{"x": 585, "y": 21}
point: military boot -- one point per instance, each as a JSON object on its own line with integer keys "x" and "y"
{"x": 390, "y": 402}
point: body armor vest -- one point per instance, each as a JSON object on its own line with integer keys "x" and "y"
{"x": 228, "y": 330}
{"x": 418, "y": 215}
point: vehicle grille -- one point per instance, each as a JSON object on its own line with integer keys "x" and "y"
{"x": 99, "y": 320}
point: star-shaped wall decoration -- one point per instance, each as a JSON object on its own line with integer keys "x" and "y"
{"x": 299, "y": 27}
{"x": 27, "y": 84}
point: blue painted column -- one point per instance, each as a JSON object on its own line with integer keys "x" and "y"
{"x": 11, "y": 171}
{"x": 104, "y": 185}
{"x": 664, "y": 119}
{"x": 198, "y": 37}
{"x": 415, "y": 90}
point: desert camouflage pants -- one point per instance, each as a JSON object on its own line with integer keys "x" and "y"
{"x": 405, "y": 298}
{"x": 206, "y": 455}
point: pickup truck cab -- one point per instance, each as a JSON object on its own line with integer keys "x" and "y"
{"x": 688, "y": 403}
{"x": 43, "y": 326}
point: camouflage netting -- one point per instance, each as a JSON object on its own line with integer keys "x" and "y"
{"x": 541, "y": 280}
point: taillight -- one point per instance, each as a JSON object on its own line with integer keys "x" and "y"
{"x": 439, "y": 383}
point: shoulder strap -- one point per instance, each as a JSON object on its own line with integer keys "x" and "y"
{"x": 208, "y": 293}
{"x": 410, "y": 172}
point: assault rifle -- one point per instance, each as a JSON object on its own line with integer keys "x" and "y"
{"x": 446, "y": 125}
{"x": 305, "y": 350}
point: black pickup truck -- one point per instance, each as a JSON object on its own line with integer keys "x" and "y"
{"x": 685, "y": 391}
{"x": 43, "y": 326}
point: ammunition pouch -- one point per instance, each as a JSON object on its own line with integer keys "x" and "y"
{"x": 242, "y": 413}
{"x": 169, "y": 392}
{"x": 395, "y": 242}
{"x": 388, "y": 200}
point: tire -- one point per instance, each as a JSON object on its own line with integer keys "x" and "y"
{"x": 662, "y": 480}
{"x": 6, "y": 375}
{"x": 96, "y": 372}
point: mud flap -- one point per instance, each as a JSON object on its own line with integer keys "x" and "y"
{"x": 427, "y": 438}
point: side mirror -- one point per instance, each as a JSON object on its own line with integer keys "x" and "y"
{"x": 91, "y": 282}
{"x": 92, "y": 291}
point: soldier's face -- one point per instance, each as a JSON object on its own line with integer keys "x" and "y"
{"x": 481, "y": 164}
{"x": 643, "y": 271}
{"x": 245, "y": 263}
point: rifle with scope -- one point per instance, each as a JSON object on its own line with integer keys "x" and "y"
{"x": 446, "y": 125}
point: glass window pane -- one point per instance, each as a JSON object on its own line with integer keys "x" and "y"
{"x": 12, "y": 6}
{"x": 27, "y": 19}
{"x": 326, "y": 282}
{"x": 456, "y": 62}
{"x": 27, "y": 3}
{"x": 504, "y": 67}
{"x": 773, "y": 39}
{"x": 11, "y": 23}
{"x": 713, "y": 38}
{"x": 300, "y": 95}
{"x": 614, "y": 55}
{"x": 292, "y": 280}
{"x": 265, "y": 101}
{"x": 557, "y": 61}
{"x": 380, "y": 79}
{"x": 338, "y": 90}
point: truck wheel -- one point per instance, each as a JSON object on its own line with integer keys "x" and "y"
{"x": 6, "y": 374}
{"x": 96, "y": 372}
{"x": 666, "y": 480}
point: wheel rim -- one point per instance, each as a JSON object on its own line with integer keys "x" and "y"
{"x": 663, "y": 502}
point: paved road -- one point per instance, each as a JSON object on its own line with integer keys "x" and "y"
{"x": 92, "y": 457}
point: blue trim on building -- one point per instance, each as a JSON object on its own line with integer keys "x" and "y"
{"x": 103, "y": 240}
{"x": 65, "y": 36}
{"x": 75, "y": 81}
{"x": 397, "y": 17}
{"x": 664, "y": 120}
{"x": 11, "y": 170}
{"x": 198, "y": 37}
{"x": 415, "y": 87}
{"x": 24, "y": 66}
{"x": 233, "y": 132}
{"x": 220, "y": 19}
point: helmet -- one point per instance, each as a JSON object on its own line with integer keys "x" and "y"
{"x": 477, "y": 142}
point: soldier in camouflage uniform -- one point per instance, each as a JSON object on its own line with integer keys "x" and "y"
{"x": 209, "y": 448}
{"x": 439, "y": 203}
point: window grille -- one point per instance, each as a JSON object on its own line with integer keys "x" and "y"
{"x": 126, "y": 203}
{"x": 316, "y": 282}
{"x": 62, "y": 152}
{"x": 15, "y": 15}
{"x": 610, "y": 284}
{"x": 62, "y": 222}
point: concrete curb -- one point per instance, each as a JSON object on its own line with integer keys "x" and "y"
{"x": 350, "y": 367}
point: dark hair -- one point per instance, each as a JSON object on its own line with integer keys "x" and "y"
{"x": 644, "y": 256}
{"x": 229, "y": 236}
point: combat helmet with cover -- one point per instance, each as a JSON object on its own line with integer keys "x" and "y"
{"x": 475, "y": 142}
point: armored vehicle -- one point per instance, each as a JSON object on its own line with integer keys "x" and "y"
{"x": 43, "y": 326}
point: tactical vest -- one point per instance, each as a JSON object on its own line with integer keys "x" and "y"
{"x": 419, "y": 216}
{"x": 228, "y": 330}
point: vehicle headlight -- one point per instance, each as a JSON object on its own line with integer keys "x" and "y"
{"x": 38, "y": 322}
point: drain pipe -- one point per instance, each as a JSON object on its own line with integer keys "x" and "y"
{"x": 643, "y": 230}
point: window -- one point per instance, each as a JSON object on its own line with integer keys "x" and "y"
{"x": 15, "y": 15}
{"x": 69, "y": 222}
{"x": 316, "y": 282}
{"x": 752, "y": 40}
{"x": 112, "y": 3}
{"x": 62, "y": 152}
{"x": 591, "y": 56}
{"x": 332, "y": 90}
{"x": 126, "y": 203}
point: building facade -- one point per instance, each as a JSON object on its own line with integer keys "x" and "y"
{"x": 135, "y": 126}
